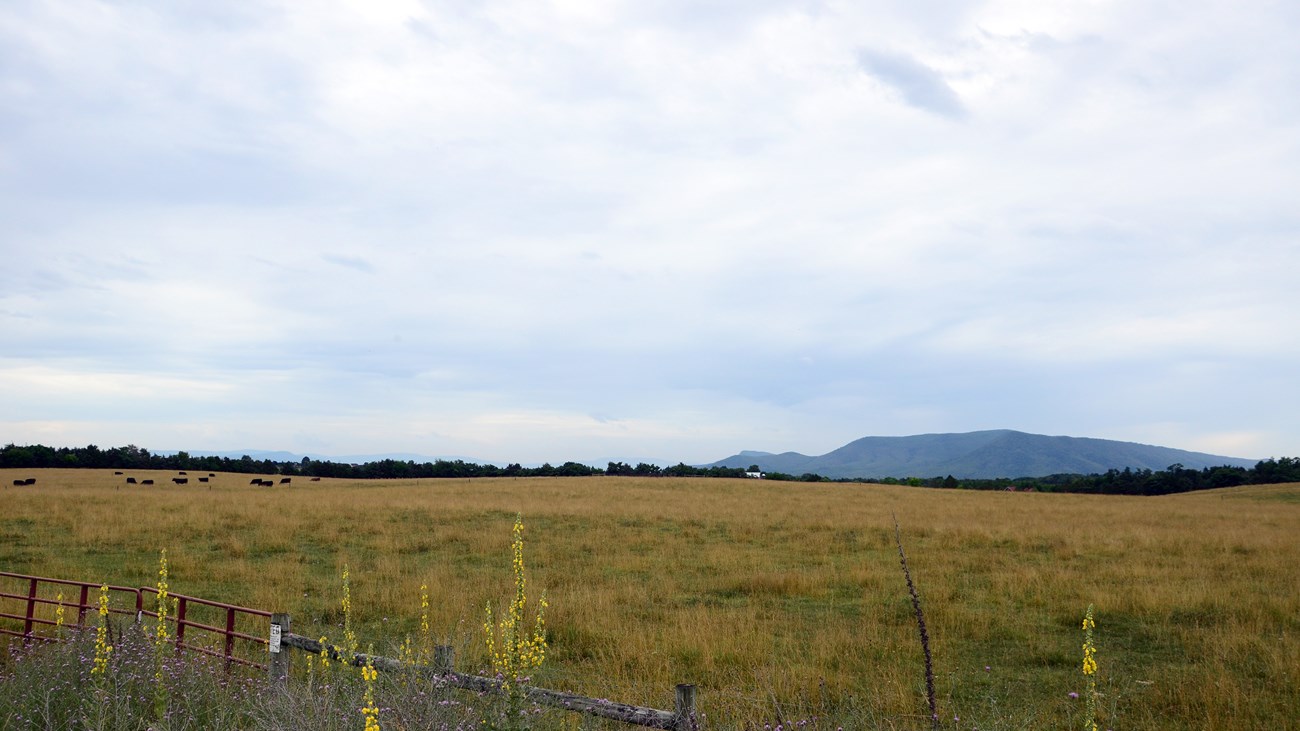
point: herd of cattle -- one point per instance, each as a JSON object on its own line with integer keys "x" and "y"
{"x": 178, "y": 480}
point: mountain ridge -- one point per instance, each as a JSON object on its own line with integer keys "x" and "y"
{"x": 987, "y": 454}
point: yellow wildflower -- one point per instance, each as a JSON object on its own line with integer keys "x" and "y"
{"x": 102, "y": 648}
{"x": 517, "y": 651}
{"x": 58, "y": 615}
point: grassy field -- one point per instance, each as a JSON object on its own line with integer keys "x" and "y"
{"x": 782, "y": 601}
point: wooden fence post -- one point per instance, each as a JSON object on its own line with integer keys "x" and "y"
{"x": 684, "y": 711}
{"x": 279, "y": 665}
{"x": 444, "y": 659}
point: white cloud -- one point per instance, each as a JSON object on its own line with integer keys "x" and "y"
{"x": 480, "y": 224}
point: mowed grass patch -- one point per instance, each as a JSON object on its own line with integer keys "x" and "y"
{"x": 781, "y": 600}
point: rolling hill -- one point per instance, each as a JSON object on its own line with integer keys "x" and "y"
{"x": 979, "y": 455}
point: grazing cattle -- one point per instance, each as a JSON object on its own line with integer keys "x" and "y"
{"x": 212, "y": 474}
{"x": 267, "y": 483}
{"x": 255, "y": 481}
{"x": 146, "y": 482}
{"x": 203, "y": 479}
{"x": 182, "y": 472}
{"x": 284, "y": 480}
{"x": 117, "y": 473}
{"x": 20, "y": 482}
{"x": 315, "y": 479}
{"x": 130, "y": 480}
{"x": 30, "y": 481}
{"x": 180, "y": 480}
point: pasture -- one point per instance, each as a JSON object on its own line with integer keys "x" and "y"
{"x": 781, "y": 601}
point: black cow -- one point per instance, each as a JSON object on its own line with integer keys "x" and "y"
{"x": 180, "y": 480}
{"x": 315, "y": 479}
{"x": 30, "y": 481}
{"x": 146, "y": 482}
{"x": 130, "y": 480}
{"x": 117, "y": 473}
{"x": 203, "y": 479}
{"x": 20, "y": 482}
{"x": 284, "y": 480}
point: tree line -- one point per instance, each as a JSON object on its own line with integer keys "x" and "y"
{"x": 132, "y": 457}
{"x": 1175, "y": 478}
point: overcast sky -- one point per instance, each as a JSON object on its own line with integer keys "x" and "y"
{"x": 531, "y": 231}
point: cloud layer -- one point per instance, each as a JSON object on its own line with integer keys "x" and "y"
{"x": 526, "y": 232}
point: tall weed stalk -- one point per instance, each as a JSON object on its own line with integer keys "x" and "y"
{"x": 920, "y": 625}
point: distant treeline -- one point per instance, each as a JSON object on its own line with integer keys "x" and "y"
{"x": 132, "y": 457}
{"x": 1172, "y": 479}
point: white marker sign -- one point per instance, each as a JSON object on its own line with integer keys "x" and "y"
{"x": 275, "y": 638}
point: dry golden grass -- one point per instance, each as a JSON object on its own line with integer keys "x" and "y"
{"x": 778, "y": 599}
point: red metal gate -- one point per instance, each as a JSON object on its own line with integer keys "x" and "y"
{"x": 32, "y": 600}
{"x": 27, "y": 594}
{"x": 229, "y": 631}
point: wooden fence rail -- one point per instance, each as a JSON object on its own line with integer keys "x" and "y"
{"x": 443, "y": 671}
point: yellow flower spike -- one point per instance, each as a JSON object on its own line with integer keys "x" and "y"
{"x": 160, "y": 635}
{"x": 102, "y": 648}
{"x": 324, "y": 654}
{"x": 517, "y": 651}
{"x": 1090, "y": 671}
{"x": 370, "y": 711}
{"x": 58, "y": 615}
{"x": 349, "y": 637}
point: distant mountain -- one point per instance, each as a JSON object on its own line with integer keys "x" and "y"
{"x": 979, "y": 455}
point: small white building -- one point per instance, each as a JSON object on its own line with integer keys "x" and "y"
{"x": 755, "y": 475}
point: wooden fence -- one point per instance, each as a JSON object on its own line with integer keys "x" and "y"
{"x": 682, "y": 718}
{"x": 276, "y": 639}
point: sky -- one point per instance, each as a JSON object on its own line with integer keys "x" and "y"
{"x": 647, "y": 230}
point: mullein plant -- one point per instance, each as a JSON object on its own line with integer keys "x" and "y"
{"x": 408, "y": 654}
{"x": 325, "y": 662}
{"x": 102, "y": 649}
{"x": 58, "y": 616}
{"x": 162, "y": 639}
{"x": 369, "y": 710}
{"x": 1090, "y": 672}
{"x": 516, "y": 651}
{"x": 348, "y": 652}
{"x": 349, "y": 637}
{"x": 426, "y": 638}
